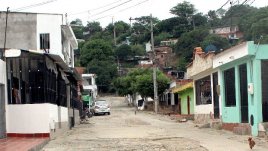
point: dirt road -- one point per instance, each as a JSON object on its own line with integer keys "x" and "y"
{"x": 124, "y": 130}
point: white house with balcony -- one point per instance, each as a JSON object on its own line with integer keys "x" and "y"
{"x": 41, "y": 84}
{"x": 89, "y": 86}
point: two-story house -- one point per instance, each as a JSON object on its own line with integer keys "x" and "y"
{"x": 40, "y": 77}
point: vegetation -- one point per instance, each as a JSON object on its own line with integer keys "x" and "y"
{"x": 105, "y": 46}
{"x": 141, "y": 81}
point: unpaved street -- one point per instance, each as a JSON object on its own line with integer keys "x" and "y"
{"x": 124, "y": 130}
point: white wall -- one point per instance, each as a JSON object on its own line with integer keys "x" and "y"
{"x": 33, "y": 118}
{"x": 28, "y": 118}
{"x": 203, "y": 108}
{"x": 50, "y": 23}
{"x": 3, "y": 79}
{"x": 231, "y": 54}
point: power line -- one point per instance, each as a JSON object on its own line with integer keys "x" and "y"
{"x": 33, "y": 5}
{"x": 95, "y": 8}
{"x": 111, "y": 8}
{"x": 122, "y": 10}
{"x": 133, "y": 6}
{"x": 252, "y": 2}
{"x": 223, "y": 5}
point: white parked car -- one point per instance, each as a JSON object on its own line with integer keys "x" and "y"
{"x": 101, "y": 107}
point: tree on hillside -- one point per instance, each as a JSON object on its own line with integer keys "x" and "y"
{"x": 188, "y": 41}
{"x": 249, "y": 23}
{"x": 213, "y": 19}
{"x": 92, "y": 28}
{"x": 77, "y": 28}
{"x": 234, "y": 15}
{"x": 160, "y": 37}
{"x": 98, "y": 48}
{"x": 219, "y": 43}
{"x": 141, "y": 81}
{"x": 137, "y": 50}
{"x": 98, "y": 57}
{"x": 184, "y": 9}
{"x": 106, "y": 71}
{"x": 123, "y": 52}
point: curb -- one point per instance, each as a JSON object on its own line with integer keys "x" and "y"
{"x": 39, "y": 146}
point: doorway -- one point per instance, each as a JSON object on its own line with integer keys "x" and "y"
{"x": 216, "y": 96}
{"x": 264, "y": 74}
{"x": 188, "y": 105}
{"x": 243, "y": 92}
{"x": 2, "y": 112}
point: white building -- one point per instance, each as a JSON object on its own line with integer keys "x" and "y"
{"x": 39, "y": 54}
{"x": 89, "y": 85}
{"x": 40, "y": 32}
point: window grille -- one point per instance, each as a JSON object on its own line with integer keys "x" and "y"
{"x": 203, "y": 91}
{"x": 45, "y": 42}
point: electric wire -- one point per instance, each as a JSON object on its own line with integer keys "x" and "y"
{"x": 111, "y": 8}
{"x": 94, "y": 9}
{"x": 33, "y": 5}
{"x": 133, "y": 6}
{"x": 122, "y": 10}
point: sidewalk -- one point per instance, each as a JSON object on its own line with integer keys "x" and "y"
{"x": 22, "y": 144}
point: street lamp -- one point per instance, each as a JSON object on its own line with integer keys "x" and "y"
{"x": 154, "y": 64}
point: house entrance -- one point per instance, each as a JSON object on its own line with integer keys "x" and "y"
{"x": 216, "y": 96}
{"x": 188, "y": 105}
{"x": 2, "y": 112}
{"x": 264, "y": 74}
{"x": 243, "y": 93}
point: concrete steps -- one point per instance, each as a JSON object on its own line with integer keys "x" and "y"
{"x": 263, "y": 129}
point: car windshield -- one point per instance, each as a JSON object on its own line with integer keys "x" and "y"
{"x": 101, "y": 102}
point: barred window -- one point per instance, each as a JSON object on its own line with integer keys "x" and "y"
{"x": 229, "y": 82}
{"x": 203, "y": 91}
{"x": 44, "y": 41}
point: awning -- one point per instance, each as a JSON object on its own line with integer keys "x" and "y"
{"x": 182, "y": 88}
{"x": 58, "y": 60}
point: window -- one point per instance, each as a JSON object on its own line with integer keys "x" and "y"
{"x": 229, "y": 82}
{"x": 203, "y": 91}
{"x": 33, "y": 79}
{"x": 45, "y": 42}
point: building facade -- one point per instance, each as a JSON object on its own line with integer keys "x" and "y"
{"x": 205, "y": 79}
{"x": 243, "y": 87}
{"x": 41, "y": 83}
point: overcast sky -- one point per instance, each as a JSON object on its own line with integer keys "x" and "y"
{"x": 104, "y": 10}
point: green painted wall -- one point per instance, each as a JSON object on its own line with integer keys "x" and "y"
{"x": 183, "y": 96}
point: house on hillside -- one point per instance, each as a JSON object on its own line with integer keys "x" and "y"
{"x": 205, "y": 81}
{"x": 163, "y": 56}
{"x": 42, "y": 97}
{"x": 229, "y": 32}
{"x": 243, "y": 81}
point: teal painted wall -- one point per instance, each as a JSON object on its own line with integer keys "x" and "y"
{"x": 231, "y": 114}
{"x": 183, "y": 96}
{"x": 253, "y": 61}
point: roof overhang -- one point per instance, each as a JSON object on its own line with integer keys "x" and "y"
{"x": 68, "y": 32}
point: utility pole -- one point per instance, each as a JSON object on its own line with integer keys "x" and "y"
{"x": 5, "y": 38}
{"x": 154, "y": 68}
{"x": 154, "y": 63}
{"x": 114, "y": 31}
